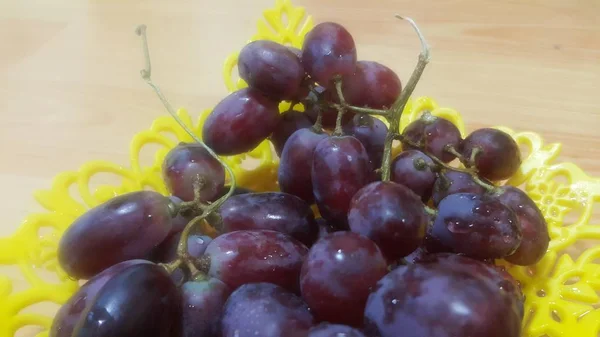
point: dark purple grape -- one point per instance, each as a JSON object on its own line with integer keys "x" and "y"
{"x": 476, "y": 225}
{"x": 372, "y": 85}
{"x": 340, "y": 168}
{"x": 338, "y": 274}
{"x": 334, "y": 330}
{"x": 140, "y": 300}
{"x": 294, "y": 173}
{"x": 252, "y": 256}
{"x": 203, "y": 303}
{"x": 271, "y": 68}
{"x": 434, "y": 134}
{"x": 391, "y": 215}
{"x": 412, "y": 169}
{"x": 167, "y": 250}
{"x": 328, "y": 51}
{"x": 499, "y": 156}
{"x": 532, "y": 223}
{"x": 189, "y": 163}
{"x": 290, "y": 122}
{"x": 371, "y": 132}
{"x": 240, "y": 122}
{"x": 453, "y": 182}
{"x": 124, "y": 228}
{"x": 265, "y": 310}
{"x": 443, "y": 299}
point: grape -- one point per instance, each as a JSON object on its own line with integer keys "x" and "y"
{"x": 340, "y": 168}
{"x": 499, "y": 157}
{"x": 203, "y": 303}
{"x": 334, "y": 330}
{"x": 372, "y": 133}
{"x": 373, "y": 85}
{"x": 124, "y": 228}
{"x": 434, "y": 134}
{"x": 328, "y": 51}
{"x": 253, "y": 256}
{"x": 476, "y": 225}
{"x": 338, "y": 274}
{"x": 240, "y": 122}
{"x": 443, "y": 299}
{"x": 271, "y": 68}
{"x": 294, "y": 173}
{"x": 454, "y": 182}
{"x": 391, "y": 215}
{"x": 265, "y": 310}
{"x": 291, "y": 121}
{"x": 140, "y": 300}
{"x": 412, "y": 169}
{"x": 532, "y": 223}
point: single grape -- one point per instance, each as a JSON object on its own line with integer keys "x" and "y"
{"x": 532, "y": 223}
{"x": 240, "y": 122}
{"x": 340, "y": 168}
{"x": 476, "y": 225}
{"x": 391, "y": 215}
{"x": 499, "y": 156}
{"x": 140, "y": 300}
{"x": 124, "y": 228}
{"x": 328, "y": 51}
{"x": 412, "y": 169}
{"x": 203, "y": 303}
{"x": 372, "y": 85}
{"x": 271, "y": 68}
{"x": 371, "y": 132}
{"x": 294, "y": 173}
{"x": 334, "y": 330}
{"x": 252, "y": 256}
{"x": 338, "y": 274}
{"x": 452, "y": 182}
{"x": 433, "y": 134}
{"x": 290, "y": 122}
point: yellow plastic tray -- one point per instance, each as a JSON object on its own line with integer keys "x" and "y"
{"x": 561, "y": 290}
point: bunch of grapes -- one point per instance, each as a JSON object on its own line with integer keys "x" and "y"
{"x": 403, "y": 246}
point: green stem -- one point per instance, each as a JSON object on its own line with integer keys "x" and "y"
{"x": 368, "y": 111}
{"x": 341, "y": 107}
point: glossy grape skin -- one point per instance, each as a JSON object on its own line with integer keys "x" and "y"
{"x": 532, "y": 223}
{"x": 290, "y": 122}
{"x": 455, "y": 182}
{"x": 372, "y": 85}
{"x": 412, "y": 169}
{"x": 476, "y": 225}
{"x": 252, "y": 256}
{"x": 140, "y": 300}
{"x": 202, "y": 306}
{"x": 294, "y": 172}
{"x": 240, "y": 122}
{"x": 338, "y": 274}
{"x": 328, "y": 50}
{"x": 371, "y": 132}
{"x": 124, "y": 228}
{"x": 443, "y": 299}
{"x": 278, "y": 211}
{"x": 500, "y": 156}
{"x": 340, "y": 168}
{"x": 434, "y": 134}
{"x": 334, "y": 330}
{"x": 391, "y": 215}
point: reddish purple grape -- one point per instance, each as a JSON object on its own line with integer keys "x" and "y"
{"x": 265, "y": 310}
{"x": 476, "y": 225}
{"x": 187, "y": 163}
{"x": 372, "y": 133}
{"x": 124, "y": 228}
{"x": 412, "y": 169}
{"x": 328, "y": 51}
{"x": 453, "y": 182}
{"x": 532, "y": 223}
{"x": 294, "y": 173}
{"x": 278, "y": 211}
{"x": 240, "y": 122}
{"x": 334, "y": 330}
{"x": 252, "y": 256}
{"x": 203, "y": 303}
{"x": 391, "y": 215}
{"x": 372, "y": 85}
{"x": 290, "y": 122}
{"x": 434, "y": 134}
{"x": 271, "y": 68}
{"x": 340, "y": 168}
{"x": 499, "y": 156}
{"x": 338, "y": 274}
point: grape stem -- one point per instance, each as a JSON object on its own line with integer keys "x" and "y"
{"x": 341, "y": 107}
